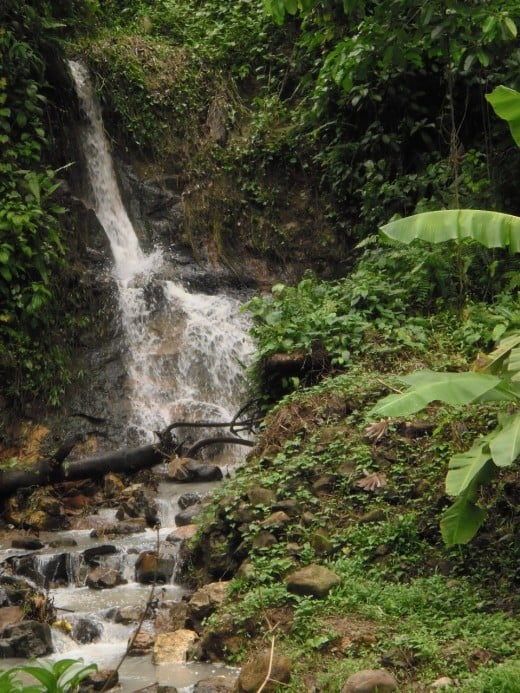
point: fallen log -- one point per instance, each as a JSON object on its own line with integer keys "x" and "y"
{"x": 47, "y": 472}
{"x": 128, "y": 460}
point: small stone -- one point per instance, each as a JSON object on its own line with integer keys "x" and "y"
{"x": 443, "y": 682}
{"x": 370, "y": 681}
{"x": 257, "y": 495}
{"x": 375, "y": 515}
{"x": 321, "y": 544}
{"x": 264, "y": 540}
{"x": 277, "y": 519}
{"x": 313, "y": 580}
{"x": 215, "y": 684}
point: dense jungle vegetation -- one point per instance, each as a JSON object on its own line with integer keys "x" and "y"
{"x": 296, "y": 129}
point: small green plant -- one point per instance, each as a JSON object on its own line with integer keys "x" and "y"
{"x": 63, "y": 676}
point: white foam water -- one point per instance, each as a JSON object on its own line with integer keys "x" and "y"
{"x": 185, "y": 353}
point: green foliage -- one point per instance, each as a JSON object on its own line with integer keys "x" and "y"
{"x": 63, "y": 676}
{"x": 33, "y": 360}
{"x": 491, "y": 229}
{"x": 497, "y": 379}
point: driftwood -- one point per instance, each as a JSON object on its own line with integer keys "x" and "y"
{"x": 57, "y": 469}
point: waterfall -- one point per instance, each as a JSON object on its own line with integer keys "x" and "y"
{"x": 185, "y": 350}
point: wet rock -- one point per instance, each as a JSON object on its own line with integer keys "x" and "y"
{"x": 126, "y": 614}
{"x": 174, "y": 618}
{"x": 10, "y": 615}
{"x": 16, "y": 590}
{"x": 27, "y": 544}
{"x": 26, "y": 639}
{"x": 184, "y": 469}
{"x": 41, "y": 521}
{"x": 188, "y": 499}
{"x": 120, "y": 529}
{"x": 205, "y": 600}
{"x": 113, "y": 485}
{"x": 152, "y": 568}
{"x": 58, "y": 570}
{"x": 255, "y": 671}
{"x": 91, "y": 556}
{"x": 101, "y": 578}
{"x": 215, "y": 684}
{"x": 370, "y": 681}
{"x": 101, "y": 680}
{"x": 187, "y": 516}
{"x": 173, "y": 648}
{"x": 86, "y": 630}
{"x": 313, "y": 580}
{"x": 141, "y": 644}
{"x": 63, "y": 542}
{"x": 182, "y": 534}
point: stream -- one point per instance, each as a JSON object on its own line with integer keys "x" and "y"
{"x": 184, "y": 356}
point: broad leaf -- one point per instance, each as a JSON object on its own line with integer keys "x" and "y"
{"x": 429, "y": 386}
{"x": 491, "y": 229}
{"x": 465, "y": 467}
{"x": 505, "y": 445}
{"x": 461, "y": 521}
{"x": 506, "y": 104}
{"x": 494, "y": 361}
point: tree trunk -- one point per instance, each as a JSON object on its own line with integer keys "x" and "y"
{"x": 47, "y": 472}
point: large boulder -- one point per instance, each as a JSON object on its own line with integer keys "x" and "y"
{"x": 173, "y": 648}
{"x": 313, "y": 580}
{"x": 152, "y": 568}
{"x": 205, "y": 600}
{"x": 26, "y": 639}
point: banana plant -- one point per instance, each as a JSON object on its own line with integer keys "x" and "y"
{"x": 495, "y": 377}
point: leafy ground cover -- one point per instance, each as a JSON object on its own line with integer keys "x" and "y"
{"x": 368, "y": 508}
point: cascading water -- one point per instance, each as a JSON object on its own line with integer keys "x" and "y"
{"x": 184, "y": 361}
{"x": 185, "y": 350}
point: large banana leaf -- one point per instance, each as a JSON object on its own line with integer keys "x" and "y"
{"x": 465, "y": 467}
{"x": 461, "y": 521}
{"x": 504, "y": 352}
{"x": 491, "y": 229}
{"x": 428, "y": 386}
{"x": 505, "y": 445}
{"x": 506, "y": 104}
